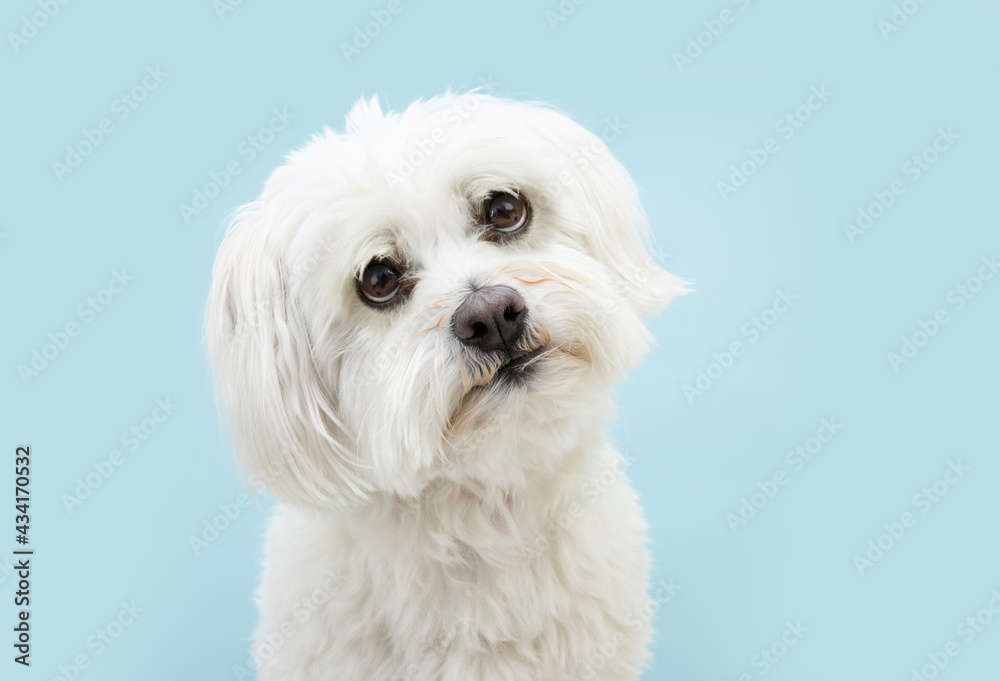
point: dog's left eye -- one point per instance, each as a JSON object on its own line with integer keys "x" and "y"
{"x": 379, "y": 283}
{"x": 505, "y": 213}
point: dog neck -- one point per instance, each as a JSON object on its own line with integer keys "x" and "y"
{"x": 464, "y": 522}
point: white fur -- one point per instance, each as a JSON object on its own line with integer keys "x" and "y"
{"x": 434, "y": 526}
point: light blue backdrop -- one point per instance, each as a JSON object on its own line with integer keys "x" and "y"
{"x": 763, "y": 550}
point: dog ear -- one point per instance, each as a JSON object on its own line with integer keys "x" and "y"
{"x": 283, "y": 418}
{"x": 619, "y": 235}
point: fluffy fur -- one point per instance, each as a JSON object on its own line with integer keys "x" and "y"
{"x": 437, "y": 524}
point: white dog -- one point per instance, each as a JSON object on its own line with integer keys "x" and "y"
{"x": 415, "y": 332}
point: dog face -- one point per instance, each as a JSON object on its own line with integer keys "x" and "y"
{"x": 450, "y": 292}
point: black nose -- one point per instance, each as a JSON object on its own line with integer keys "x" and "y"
{"x": 490, "y": 318}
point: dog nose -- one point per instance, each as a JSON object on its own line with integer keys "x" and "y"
{"x": 490, "y": 318}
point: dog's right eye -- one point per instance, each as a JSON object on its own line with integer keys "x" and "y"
{"x": 379, "y": 283}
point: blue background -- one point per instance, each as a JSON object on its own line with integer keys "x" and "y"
{"x": 695, "y": 460}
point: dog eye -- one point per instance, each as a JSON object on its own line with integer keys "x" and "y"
{"x": 506, "y": 213}
{"x": 379, "y": 283}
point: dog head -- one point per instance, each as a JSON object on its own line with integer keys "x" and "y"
{"x": 449, "y": 292}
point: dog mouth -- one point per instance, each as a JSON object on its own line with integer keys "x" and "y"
{"x": 514, "y": 367}
{"x": 519, "y": 368}
{"x": 517, "y": 371}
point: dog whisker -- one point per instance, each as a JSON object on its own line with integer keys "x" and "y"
{"x": 433, "y": 327}
{"x": 466, "y": 381}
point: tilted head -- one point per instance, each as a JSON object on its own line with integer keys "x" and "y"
{"x": 447, "y": 292}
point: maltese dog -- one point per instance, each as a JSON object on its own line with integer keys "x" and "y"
{"x": 414, "y": 333}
